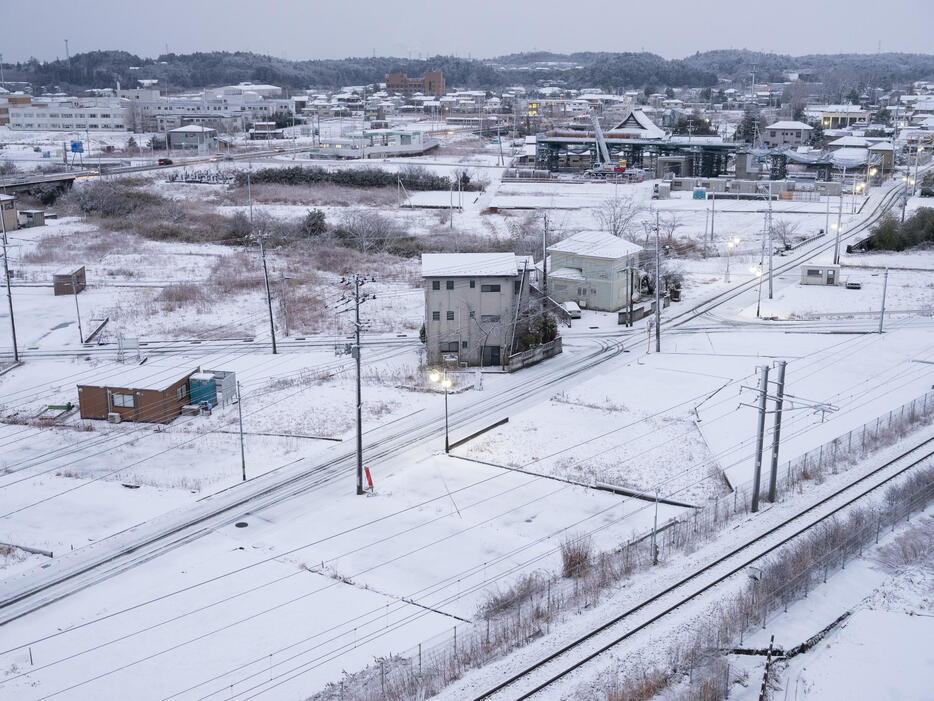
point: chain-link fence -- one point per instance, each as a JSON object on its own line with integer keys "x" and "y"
{"x": 526, "y": 609}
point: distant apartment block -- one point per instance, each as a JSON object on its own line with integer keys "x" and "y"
{"x": 431, "y": 83}
{"x": 786, "y": 134}
{"x": 70, "y": 114}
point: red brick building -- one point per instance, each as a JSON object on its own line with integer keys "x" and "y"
{"x": 431, "y": 83}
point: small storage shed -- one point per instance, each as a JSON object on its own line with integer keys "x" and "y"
{"x": 141, "y": 393}
{"x": 69, "y": 282}
{"x": 31, "y": 217}
{"x": 820, "y": 274}
{"x": 203, "y": 388}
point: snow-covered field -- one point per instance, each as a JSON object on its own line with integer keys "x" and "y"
{"x": 329, "y": 580}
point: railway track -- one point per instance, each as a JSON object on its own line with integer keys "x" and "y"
{"x": 546, "y": 673}
{"x": 97, "y": 562}
{"x": 81, "y": 569}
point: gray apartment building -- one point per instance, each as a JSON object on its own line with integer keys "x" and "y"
{"x": 471, "y": 303}
{"x": 594, "y": 269}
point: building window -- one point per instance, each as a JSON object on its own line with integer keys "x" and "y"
{"x": 473, "y": 283}
{"x": 450, "y": 316}
{"x": 516, "y": 286}
{"x": 436, "y": 316}
{"x": 489, "y": 288}
{"x": 450, "y": 347}
{"x": 449, "y": 284}
{"x": 473, "y": 314}
{"x": 463, "y": 344}
{"x": 123, "y": 400}
{"x": 181, "y": 392}
{"x": 436, "y": 284}
{"x": 490, "y": 318}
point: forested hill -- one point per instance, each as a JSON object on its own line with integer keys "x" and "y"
{"x": 611, "y": 71}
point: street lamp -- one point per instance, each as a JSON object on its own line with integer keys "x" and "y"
{"x": 757, "y": 271}
{"x": 732, "y": 241}
{"x": 442, "y": 379}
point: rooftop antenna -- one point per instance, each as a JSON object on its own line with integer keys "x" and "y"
{"x": 67, "y": 56}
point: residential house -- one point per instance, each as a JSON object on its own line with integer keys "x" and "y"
{"x": 594, "y": 269}
{"x": 141, "y": 393}
{"x": 786, "y": 133}
{"x": 472, "y": 301}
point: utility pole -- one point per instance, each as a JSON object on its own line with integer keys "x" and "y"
{"x": 658, "y": 286}
{"x": 777, "y": 431}
{"x": 760, "y": 434}
{"x": 654, "y": 530}
{"x": 74, "y": 290}
{"x": 770, "y": 239}
{"x": 9, "y": 291}
{"x": 885, "y": 284}
{"x": 240, "y": 414}
{"x": 545, "y": 254}
{"x": 283, "y": 303}
{"x": 357, "y": 283}
{"x": 262, "y": 252}
{"x": 836, "y": 243}
{"x": 713, "y": 215}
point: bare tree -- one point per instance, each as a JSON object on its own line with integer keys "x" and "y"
{"x": 668, "y": 225}
{"x": 784, "y": 231}
{"x": 368, "y": 230}
{"x": 617, "y": 215}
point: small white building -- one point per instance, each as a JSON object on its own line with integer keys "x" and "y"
{"x": 193, "y": 136}
{"x": 812, "y": 274}
{"x": 786, "y": 134}
{"x": 594, "y": 269}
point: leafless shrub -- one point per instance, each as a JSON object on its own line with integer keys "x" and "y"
{"x": 576, "y": 555}
{"x": 618, "y": 215}
{"x": 909, "y": 547}
{"x": 181, "y": 294}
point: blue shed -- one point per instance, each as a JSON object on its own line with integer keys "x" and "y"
{"x": 202, "y": 388}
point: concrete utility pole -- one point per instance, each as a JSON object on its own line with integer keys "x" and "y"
{"x": 771, "y": 247}
{"x": 654, "y": 530}
{"x": 74, "y": 290}
{"x": 885, "y": 285}
{"x": 240, "y": 415}
{"x": 262, "y": 252}
{"x": 760, "y": 434}
{"x": 9, "y": 291}
{"x": 357, "y": 283}
{"x": 658, "y": 287}
{"x": 836, "y": 243}
{"x": 545, "y": 255}
{"x": 777, "y": 431}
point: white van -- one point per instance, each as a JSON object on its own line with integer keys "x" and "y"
{"x": 572, "y": 309}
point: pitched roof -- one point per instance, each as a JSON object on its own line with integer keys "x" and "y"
{"x": 470, "y": 264}
{"x": 637, "y": 122}
{"x": 595, "y": 244}
{"x": 142, "y": 377}
{"x": 855, "y": 141}
{"x": 789, "y": 125}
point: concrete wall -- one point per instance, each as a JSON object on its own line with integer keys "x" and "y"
{"x": 479, "y": 318}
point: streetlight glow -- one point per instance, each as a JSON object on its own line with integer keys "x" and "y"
{"x": 435, "y": 376}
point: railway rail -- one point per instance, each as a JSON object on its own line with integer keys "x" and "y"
{"x": 544, "y": 674}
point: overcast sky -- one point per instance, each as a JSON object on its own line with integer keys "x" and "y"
{"x": 305, "y": 29}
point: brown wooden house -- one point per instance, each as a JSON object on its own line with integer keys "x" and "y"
{"x": 142, "y": 393}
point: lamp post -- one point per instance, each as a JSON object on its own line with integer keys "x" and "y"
{"x": 732, "y": 241}
{"x": 757, "y": 271}
{"x": 442, "y": 379}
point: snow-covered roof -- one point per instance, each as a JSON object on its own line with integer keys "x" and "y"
{"x": 195, "y": 128}
{"x": 881, "y": 146}
{"x": 470, "y": 264}
{"x": 595, "y": 244}
{"x": 638, "y": 123}
{"x": 142, "y": 377}
{"x": 850, "y": 141}
{"x": 789, "y": 125}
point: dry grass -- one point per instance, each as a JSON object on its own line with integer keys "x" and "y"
{"x": 322, "y": 195}
{"x": 576, "y": 555}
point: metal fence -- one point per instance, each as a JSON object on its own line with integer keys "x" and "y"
{"x": 528, "y": 607}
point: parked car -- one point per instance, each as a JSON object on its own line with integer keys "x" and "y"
{"x": 164, "y": 162}
{"x": 572, "y": 309}
{"x": 854, "y": 285}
